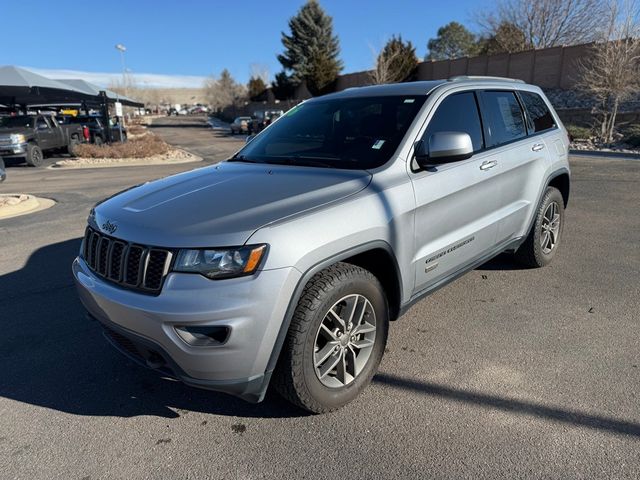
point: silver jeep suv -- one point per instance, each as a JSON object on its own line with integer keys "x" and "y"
{"x": 286, "y": 263}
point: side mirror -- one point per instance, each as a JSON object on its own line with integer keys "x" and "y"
{"x": 443, "y": 147}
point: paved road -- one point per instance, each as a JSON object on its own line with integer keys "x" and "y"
{"x": 507, "y": 373}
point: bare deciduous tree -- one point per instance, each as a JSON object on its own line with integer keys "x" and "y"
{"x": 612, "y": 73}
{"x": 547, "y": 23}
{"x": 224, "y": 91}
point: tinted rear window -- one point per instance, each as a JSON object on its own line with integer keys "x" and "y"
{"x": 504, "y": 118}
{"x": 538, "y": 111}
{"x": 457, "y": 113}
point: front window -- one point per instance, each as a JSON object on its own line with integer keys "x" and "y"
{"x": 351, "y": 133}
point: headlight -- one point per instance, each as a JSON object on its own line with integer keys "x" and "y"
{"x": 17, "y": 138}
{"x": 220, "y": 263}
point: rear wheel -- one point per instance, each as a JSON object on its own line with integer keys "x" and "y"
{"x": 34, "y": 156}
{"x": 97, "y": 141}
{"x": 336, "y": 339}
{"x": 542, "y": 243}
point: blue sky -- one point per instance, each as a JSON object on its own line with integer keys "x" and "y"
{"x": 189, "y": 39}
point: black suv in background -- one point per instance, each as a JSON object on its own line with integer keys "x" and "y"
{"x": 97, "y": 129}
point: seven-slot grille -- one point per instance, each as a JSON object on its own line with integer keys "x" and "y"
{"x": 130, "y": 265}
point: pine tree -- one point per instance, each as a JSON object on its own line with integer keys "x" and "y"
{"x": 395, "y": 62}
{"x": 255, "y": 87}
{"x": 453, "y": 41}
{"x": 311, "y": 49}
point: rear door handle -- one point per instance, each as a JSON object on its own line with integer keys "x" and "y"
{"x": 537, "y": 147}
{"x": 488, "y": 164}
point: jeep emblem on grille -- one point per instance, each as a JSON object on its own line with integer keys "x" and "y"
{"x": 109, "y": 227}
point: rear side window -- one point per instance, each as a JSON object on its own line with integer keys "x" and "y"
{"x": 538, "y": 111}
{"x": 458, "y": 113}
{"x": 504, "y": 118}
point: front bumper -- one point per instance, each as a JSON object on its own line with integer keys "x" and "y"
{"x": 14, "y": 149}
{"x": 142, "y": 326}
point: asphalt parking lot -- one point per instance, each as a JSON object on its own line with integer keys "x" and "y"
{"x": 506, "y": 373}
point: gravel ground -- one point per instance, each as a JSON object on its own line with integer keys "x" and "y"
{"x": 506, "y": 373}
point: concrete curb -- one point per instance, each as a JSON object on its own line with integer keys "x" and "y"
{"x": 128, "y": 162}
{"x": 605, "y": 154}
{"x": 31, "y": 205}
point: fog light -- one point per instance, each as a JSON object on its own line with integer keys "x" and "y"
{"x": 203, "y": 336}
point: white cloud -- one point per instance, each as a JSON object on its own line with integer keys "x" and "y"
{"x": 149, "y": 80}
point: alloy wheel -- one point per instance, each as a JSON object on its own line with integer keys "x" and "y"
{"x": 344, "y": 341}
{"x": 550, "y": 228}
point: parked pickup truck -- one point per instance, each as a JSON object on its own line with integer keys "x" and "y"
{"x": 97, "y": 129}
{"x": 29, "y": 136}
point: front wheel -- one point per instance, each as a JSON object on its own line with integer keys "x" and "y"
{"x": 336, "y": 339}
{"x": 34, "y": 155}
{"x": 544, "y": 238}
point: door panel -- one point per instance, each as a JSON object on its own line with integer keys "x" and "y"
{"x": 455, "y": 219}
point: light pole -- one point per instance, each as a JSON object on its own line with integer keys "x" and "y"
{"x": 121, "y": 48}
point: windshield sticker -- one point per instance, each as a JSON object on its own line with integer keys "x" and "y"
{"x": 409, "y": 100}
{"x": 378, "y": 144}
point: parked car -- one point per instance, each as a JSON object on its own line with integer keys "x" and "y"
{"x": 97, "y": 129}
{"x": 262, "y": 119}
{"x": 29, "y": 136}
{"x": 3, "y": 173}
{"x": 240, "y": 125}
{"x": 323, "y": 229}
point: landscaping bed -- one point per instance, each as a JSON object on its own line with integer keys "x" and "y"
{"x": 14, "y": 204}
{"x": 142, "y": 148}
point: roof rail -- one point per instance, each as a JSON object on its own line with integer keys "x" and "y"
{"x": 460, "y": 78}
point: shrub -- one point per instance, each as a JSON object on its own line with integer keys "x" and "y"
{"x": 142, "y": 147}
{"x": 631, "y": 135}
{"x": 579, "y": 133}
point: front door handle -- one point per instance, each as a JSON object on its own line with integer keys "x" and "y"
{"x": 537, "y": 147}
{"x": 488, "y": 164}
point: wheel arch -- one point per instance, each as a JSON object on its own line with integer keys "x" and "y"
{"x": 375, "y": 255}
{"x": 562, "y": 182}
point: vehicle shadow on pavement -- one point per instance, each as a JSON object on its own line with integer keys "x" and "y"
{"x": 504, "y": 261}
{"x": 519, "y": 407}
{"x": 52, "y": 356}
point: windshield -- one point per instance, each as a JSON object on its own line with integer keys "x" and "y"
{"x": 11, "y": 122}
{"x": 352, "y": 133}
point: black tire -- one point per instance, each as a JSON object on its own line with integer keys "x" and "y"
{"x": 124, "y": 137}
{"x": 295, "y": 376}
{"x": 71, "y": 148}
{"x": 34, "y": 156}
{"x": 532, "y": 253}
{"x": 97, "y": 141}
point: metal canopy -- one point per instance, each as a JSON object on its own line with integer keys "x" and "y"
{"x": 19, "y": 86}
{"x": 22, "y": 87}
{"x": 94, "y": 90}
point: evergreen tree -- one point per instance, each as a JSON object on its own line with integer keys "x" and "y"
{"x": 283, "y": 87}
{"x": 255, "y": 87}
{"x": 506, "y": 38}
{"x": 453, "y": 41}
{"x": 395, "y": 62}
{"x": 311, "y": 49}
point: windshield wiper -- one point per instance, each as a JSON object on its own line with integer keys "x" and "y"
{"x": 243, "y": 158}
{"x": 302, "y": 161}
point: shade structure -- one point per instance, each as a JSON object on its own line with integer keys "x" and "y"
{"x": 19, "y": 86}
{"x": 94, "y": 90}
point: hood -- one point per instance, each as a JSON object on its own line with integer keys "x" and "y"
{"x": 6, "y": 131}
{"x": 220, "y": 205}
